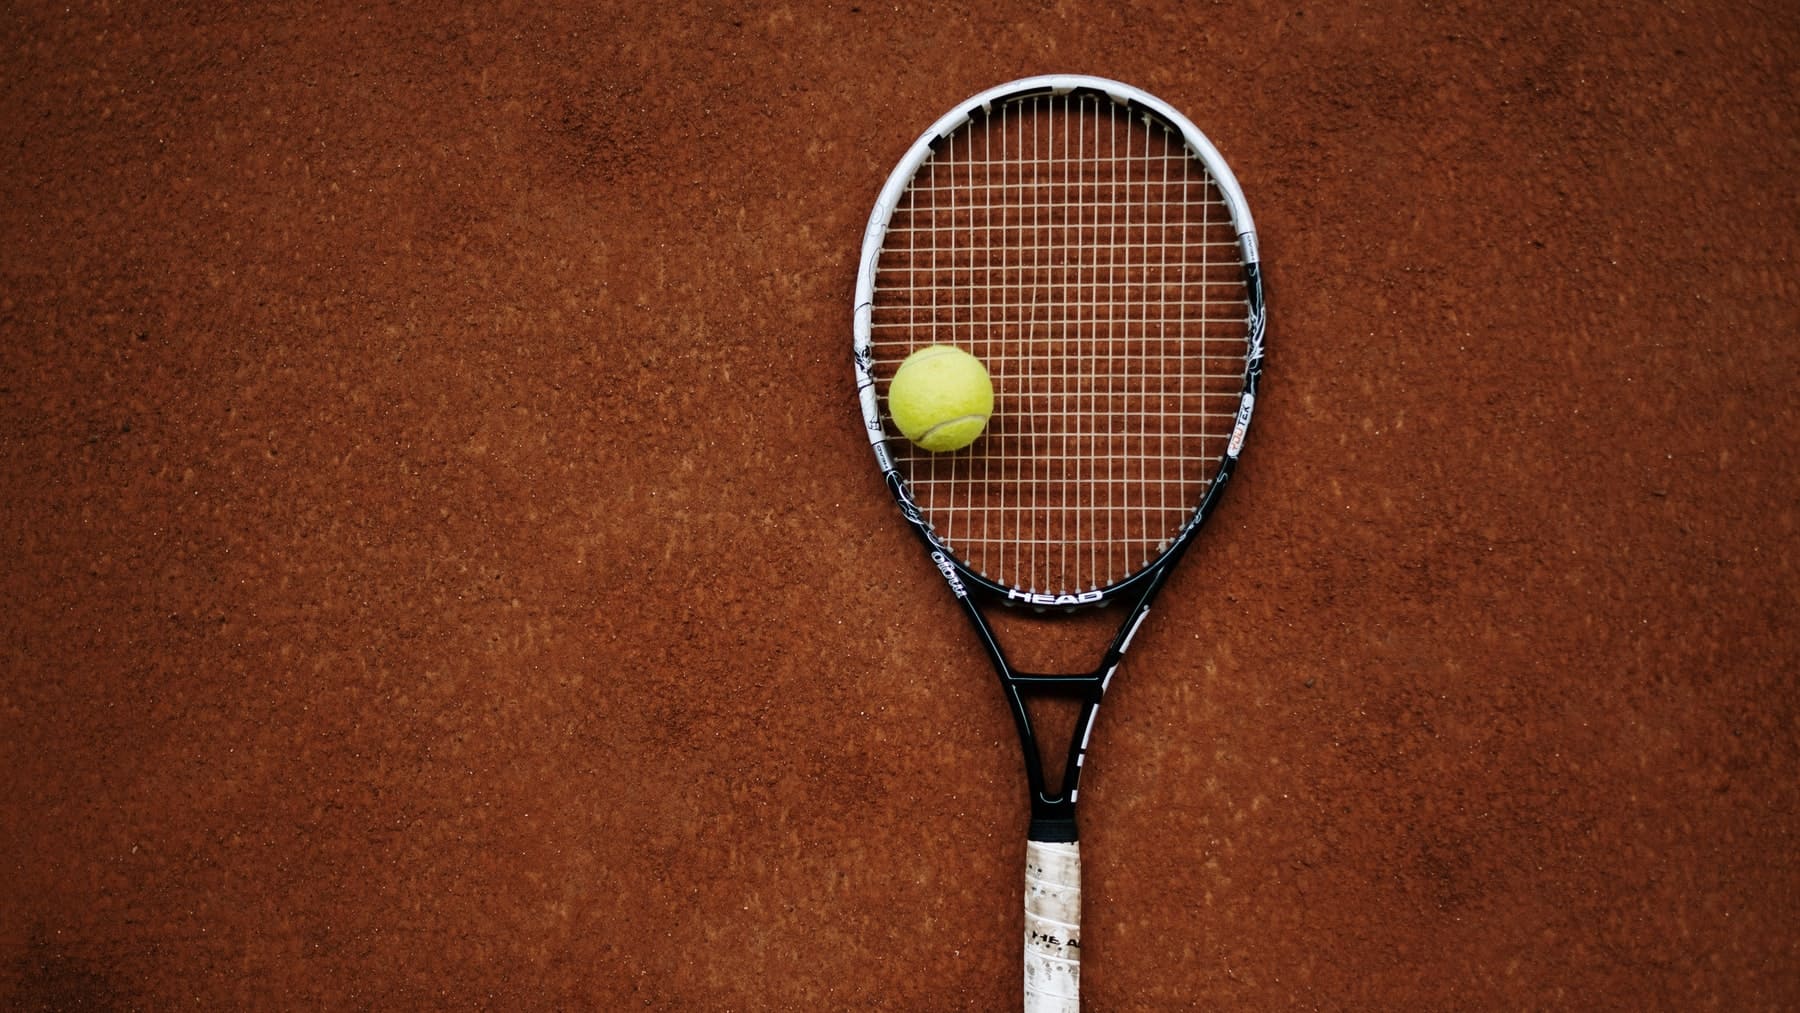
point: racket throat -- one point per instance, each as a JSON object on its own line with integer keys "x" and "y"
{"x": 1051, "y": 710}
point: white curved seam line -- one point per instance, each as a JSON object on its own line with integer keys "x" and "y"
{"x": 1053, "y": 921}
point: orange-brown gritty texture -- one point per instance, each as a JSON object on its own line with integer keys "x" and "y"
{"x": 443, "y": 566}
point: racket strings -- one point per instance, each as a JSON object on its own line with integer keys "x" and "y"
{"x": 1087, "y": 258}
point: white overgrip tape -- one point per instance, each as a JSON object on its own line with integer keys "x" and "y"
{"x": 1052, "y": 927}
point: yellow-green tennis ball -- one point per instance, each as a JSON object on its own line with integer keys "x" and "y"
{"x": 941, "y": 398}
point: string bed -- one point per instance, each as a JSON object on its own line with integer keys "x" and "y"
{"x": 1086, "y": 257}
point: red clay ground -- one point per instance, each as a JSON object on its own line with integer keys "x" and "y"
{"x": 444, "y": 568}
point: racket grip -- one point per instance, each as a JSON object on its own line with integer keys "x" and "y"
{"x": 1052, "y": 927}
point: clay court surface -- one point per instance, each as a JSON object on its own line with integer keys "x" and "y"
{"x": 444, "y": 566}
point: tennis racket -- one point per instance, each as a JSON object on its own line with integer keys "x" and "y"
{"x": 1090, "y": 246}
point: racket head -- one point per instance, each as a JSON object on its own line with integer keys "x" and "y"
{"x": 1091, "y": 246}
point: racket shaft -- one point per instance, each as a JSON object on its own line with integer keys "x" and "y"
{"x": 1052, "y": 927}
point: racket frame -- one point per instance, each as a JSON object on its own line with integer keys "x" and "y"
{"x": 1053, "y": 809}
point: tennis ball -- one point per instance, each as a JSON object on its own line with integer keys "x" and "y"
{"x": 941, "y": 398}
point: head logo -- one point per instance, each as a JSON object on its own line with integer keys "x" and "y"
{"x": 1081, "y": 598}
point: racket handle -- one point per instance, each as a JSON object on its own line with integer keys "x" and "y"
{"x": 1052, "y": 927}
